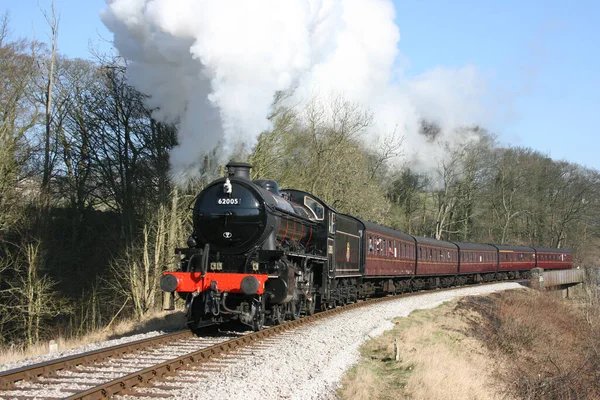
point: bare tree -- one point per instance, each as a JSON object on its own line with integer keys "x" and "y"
{"x": 320, "y": 148}
{"x": 35, "y": 300}
{"x": 47, "y": 67}
{"x": 135, "y": 276}
{"x": 17, "y": 117}
{"x": 407, "y": 192}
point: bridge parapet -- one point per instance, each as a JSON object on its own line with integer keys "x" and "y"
{"x": 563, "y": 277}
{"x": 556, "y": 280}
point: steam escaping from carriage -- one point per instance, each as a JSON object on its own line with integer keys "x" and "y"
{"x": 214, "y": 66}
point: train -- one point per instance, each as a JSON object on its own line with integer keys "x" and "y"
{"x": 260, "y": 255}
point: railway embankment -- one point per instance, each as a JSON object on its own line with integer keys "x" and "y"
{"x": 507, "y": 345}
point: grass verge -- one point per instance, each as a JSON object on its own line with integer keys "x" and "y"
{"x": 437, "y": 360}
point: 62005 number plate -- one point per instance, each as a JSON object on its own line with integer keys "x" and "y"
{"x": 229, "y": 202}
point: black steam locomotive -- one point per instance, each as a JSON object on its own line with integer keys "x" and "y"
{"x": 252, "y": 253}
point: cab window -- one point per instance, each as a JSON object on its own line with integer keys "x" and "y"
{"x": 316, "y": 208}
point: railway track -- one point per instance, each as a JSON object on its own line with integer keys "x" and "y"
{"x": 169, "y": 360}
{"x": 68, "y": 376}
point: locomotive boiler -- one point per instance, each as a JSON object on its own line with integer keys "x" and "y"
{"x": 249, "y": 254}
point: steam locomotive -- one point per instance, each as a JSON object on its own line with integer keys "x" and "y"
{"x": 259, "y": 254}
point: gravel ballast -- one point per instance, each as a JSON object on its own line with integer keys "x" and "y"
{"x": 310, "y": 363}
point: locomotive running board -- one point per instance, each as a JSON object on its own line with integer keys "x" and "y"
{"x": 321, "y": 258}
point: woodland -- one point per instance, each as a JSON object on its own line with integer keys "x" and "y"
{"x": 90, "y": 216}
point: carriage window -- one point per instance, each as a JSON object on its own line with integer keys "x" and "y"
{"x": 480, "y": 258}
{"x": 316, "y": 208}
{"x": 371, "y": 247}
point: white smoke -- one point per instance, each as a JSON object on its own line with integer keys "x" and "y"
{"x": 214, "y": 66}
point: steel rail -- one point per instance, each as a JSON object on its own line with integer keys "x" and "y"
{"x": 48, "y": 368}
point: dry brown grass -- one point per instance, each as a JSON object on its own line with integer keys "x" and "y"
{"x": 159, "y": 321}
{"x": 437, "y": 361}
{"x": 518, "y": 344}
{"x": 549, "y": 347}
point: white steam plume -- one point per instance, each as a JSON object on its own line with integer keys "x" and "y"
{"x": 214, "y": 66}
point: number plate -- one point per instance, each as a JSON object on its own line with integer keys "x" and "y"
{"x": 229, "y": 202}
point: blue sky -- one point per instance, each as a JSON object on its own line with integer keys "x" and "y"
{"x": 541, "y": 59}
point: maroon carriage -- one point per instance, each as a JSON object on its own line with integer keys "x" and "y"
{"x": 515, "y": 258}
{"x": 436, "y": 257}
{"x": 476, "y": 258}
{"x": 389, "y": 252}
{"x": 553, "y": 258}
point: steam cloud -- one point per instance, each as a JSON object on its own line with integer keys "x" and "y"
{"x": 214, "y": 66}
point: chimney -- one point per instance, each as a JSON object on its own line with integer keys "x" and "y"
{"x": 238, "y": 170}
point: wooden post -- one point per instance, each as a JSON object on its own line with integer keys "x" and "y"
{"x": 396, "y": 350}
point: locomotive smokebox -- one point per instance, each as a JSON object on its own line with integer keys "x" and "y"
{"x": 238, "y": 170}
